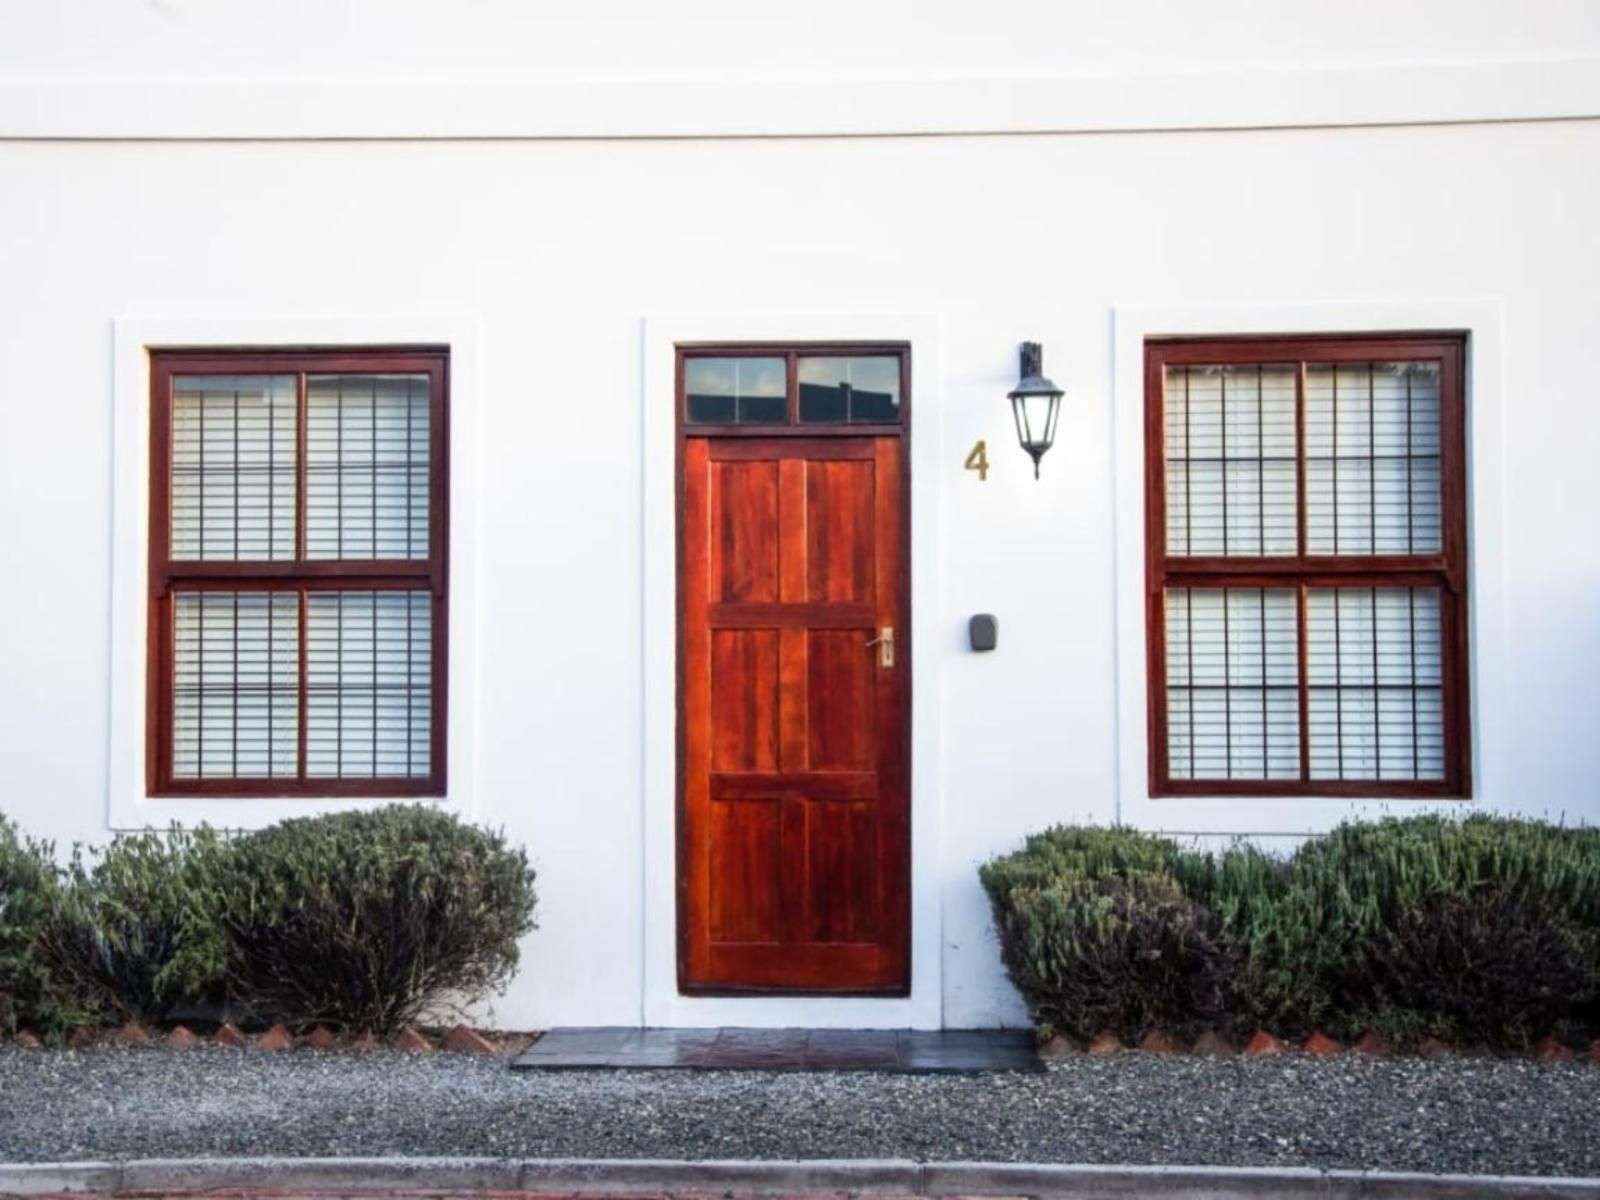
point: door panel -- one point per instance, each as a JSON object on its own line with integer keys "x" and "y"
{"x": 794, "y": 833}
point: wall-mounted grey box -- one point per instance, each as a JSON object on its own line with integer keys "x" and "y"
{"x": 983, "y": 631}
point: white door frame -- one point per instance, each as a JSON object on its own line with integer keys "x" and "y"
{"x": 660, "y": 1002}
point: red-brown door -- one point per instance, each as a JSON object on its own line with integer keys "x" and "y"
{"x": 794, "y": 830}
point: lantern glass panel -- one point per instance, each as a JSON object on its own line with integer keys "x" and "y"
{"x": 1036, "y": 418}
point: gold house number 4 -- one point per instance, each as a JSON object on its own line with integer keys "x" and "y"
{"x": 978, "y": 460}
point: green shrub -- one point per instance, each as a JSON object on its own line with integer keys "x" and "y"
{"x": 1493, "y": 966}
{"x": 1245, "y": 888}
{"x": 30, "y": 889}
{"x": 1128, "y": 953}
{"x": 1066, "y": 852}
{"x": 137, "y": 933}
{"x": 1484, "y": 930}
{"x": 1097, "y": 933}
{"x": 1367, "y": 904}
{"x": 367, "y": 920}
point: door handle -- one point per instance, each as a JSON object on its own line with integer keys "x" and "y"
{"x": 885, "y": 644}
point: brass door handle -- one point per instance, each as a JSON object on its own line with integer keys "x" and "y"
{"x": 885, "y": 644}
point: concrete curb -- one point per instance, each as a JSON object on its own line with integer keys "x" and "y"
{"x": 900, "y": 1177}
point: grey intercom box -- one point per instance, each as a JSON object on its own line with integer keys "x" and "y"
{"x": 984, "y": 631}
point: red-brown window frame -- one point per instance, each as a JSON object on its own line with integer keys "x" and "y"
{"x": 1446, "y": 570}
{"x": 298, "y": 575}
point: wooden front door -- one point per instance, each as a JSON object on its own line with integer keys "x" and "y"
{"x": 794, "y": 832}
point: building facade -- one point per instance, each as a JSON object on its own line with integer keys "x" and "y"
{"x": 596, "y": 422}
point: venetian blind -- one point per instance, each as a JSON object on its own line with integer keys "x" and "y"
{"x": 1372, "y": 458}
{"x": 368, "y": 682}
{"x": 235, "y": 686}
{"x": 1366, "y": 693}
{"x": 1233, "y": 683}
{"x": 1375, "y": 683}
{"x": 296, "y": 678}
{"x": 233, "y": 467}
{"x": 1230, "y": 437}
{"x": 366, "y": 466}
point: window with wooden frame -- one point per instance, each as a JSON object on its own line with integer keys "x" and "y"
{"x": 1307, "y": 566}
{"x": 298, "y": 584}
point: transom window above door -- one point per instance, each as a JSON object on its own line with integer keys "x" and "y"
{"x": 738, "y": 386}
{"x": 1307, "y": 543}
{"x": 297, "y": 572}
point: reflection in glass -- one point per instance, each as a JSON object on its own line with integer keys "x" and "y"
{"x": 856, "y": 389}
{"x": 734, "y": 391}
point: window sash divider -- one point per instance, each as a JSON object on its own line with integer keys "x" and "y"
{"x": 1315, "y": 564}
{"x": 301, "y": 474}
{"x": 1302, "y": 578}
{"x": 1300, "y": 518}
{"x": 369, "y": 572}
{"x": 1303, "y": 679}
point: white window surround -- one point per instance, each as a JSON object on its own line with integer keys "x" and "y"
{"x": 128, "y": 804}
{"x": 661, "y": 1003}
{"x": 1486, "y": 605}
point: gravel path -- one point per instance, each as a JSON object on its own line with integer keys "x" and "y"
{"x": 1470, "y": 1115}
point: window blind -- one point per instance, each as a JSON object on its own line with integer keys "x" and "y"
{"x": 368, "y": 683}
{"x": 1372, "y": 458}
{"x": 1306, "y": 601}
{"x": 233, "y": 467}
{"x": 235, "y": 685}
{"x": 299, "y": 577}
{"x": 366, "y": 466}
{"x": 1233, "y": 683}
{"x": 1375, "y": 683}
{"x": 1231, "y": 461}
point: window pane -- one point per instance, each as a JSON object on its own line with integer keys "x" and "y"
{"x": 1233, "y": 694}
{"x": 233, "y": 470}
{"x": 735, "y": 391}
{"x": 1230, "y": 448}
{"x": 858, "y": 389}
{"x": 367, "y": 466}
{"x": 369, "y": 658}
{"x": 1372, "y": 458}
{"x": 235, "y": 685}
{"x": 1373, "y": 665}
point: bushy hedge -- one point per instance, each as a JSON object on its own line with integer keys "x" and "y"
{"x": 30, "y": 889}
{"x": 362, "y": 920}
{"x": 1484, "y": 930}
{"x": 368, "y": 919}
{"x": 136, "y": 931}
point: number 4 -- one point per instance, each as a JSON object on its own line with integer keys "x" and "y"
{"x": 978, "y": 460}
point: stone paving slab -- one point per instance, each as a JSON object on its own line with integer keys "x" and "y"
{"x": 903, "y": 1051}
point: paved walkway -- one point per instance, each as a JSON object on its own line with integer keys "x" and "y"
{"x": 916, "y": 1052}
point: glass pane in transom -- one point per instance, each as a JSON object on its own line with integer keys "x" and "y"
{"x": 855, "y": 389}
{"x": 735, "y": 391}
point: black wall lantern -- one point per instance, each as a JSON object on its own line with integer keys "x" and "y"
{"x": 1035, "y": 403}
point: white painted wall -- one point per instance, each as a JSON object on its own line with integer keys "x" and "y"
{"x": 557, "y": 252}
{"x": 691, "y": 39}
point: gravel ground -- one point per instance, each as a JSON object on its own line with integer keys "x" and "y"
{"x": 1467, "y": 1115}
